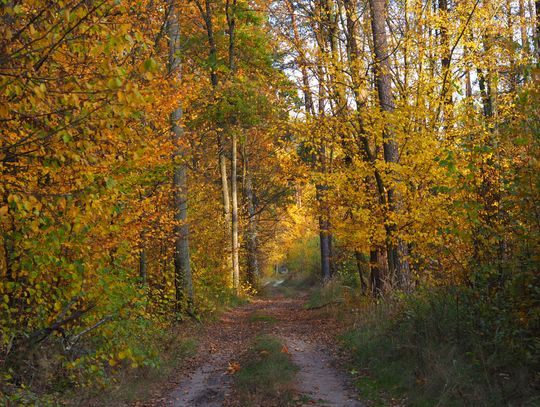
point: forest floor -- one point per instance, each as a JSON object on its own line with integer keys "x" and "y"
{"x": 309, "y": 336}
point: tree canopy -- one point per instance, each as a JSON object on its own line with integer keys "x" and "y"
{"x": 159, "y": 157}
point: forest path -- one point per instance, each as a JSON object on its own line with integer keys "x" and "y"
{"x": 309, "y": 335}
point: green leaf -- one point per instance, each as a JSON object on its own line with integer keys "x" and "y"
{"x": 110, "y": 182}
{"x": 150, "y": 65}
{"x": 521, "y": 141}
{"x": 114, "y": 83}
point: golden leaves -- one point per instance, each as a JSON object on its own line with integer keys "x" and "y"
{"x": 233, "y": 367}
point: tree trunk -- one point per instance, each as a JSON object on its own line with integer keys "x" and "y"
{"x": 182, "y": 269}
{"x": 8, "y": 231}
{"x": 537, "y": 29}
{"x": 359, "y": 257}
{"x": 252, "y": 244}
{"x": 226, "y": 202}
{"x": 143, "y": 264}
{"x": 335, "y": 69}
{"x": 375, "y": 272}
{"x": 230, "y": 10}
{"x": 234, "y": 224}
{"x": 355, "y": 67}
{"x": 206, "y": 13}
{"x": 308, "y": 98}
{"x": 523, "y": 28}
{"x": 397, "y": 251}
{"x": 446, "y": 91}
{"x": 231, "y": 22}
{"x": 325, "y": 236}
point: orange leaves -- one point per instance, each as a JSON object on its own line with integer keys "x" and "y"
{"x": 85, "y": 122}
{"x": 233, "y": 367}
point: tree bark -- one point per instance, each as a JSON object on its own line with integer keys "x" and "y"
{"x": 226, "y": 202}
{"x": 182, "y": 268}
{"x": 319, "y": 156}
{"x": 252, "y": 241}
{"x": 537, "y": 29}
{"x": 446, "y": 91}
{"x": 359, "y": 257}
{"x": 234, "y": 224}
{"x": 375, "y": 272}
{"x": 143, "y": 265}
{"x": 354, "y": 64}
{"x": 231, "y": 23}
{"x": 523, "y": 28}
{"x": 325, "y": 237}
{"x": 8, "y": 229}
{"x": 397, "y": 251}
{"x": 308, "y": 97}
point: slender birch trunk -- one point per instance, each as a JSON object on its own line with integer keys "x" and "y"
{"x": 234, "y": 201}
{"x": 231, "y": 23}
{"x": 226, "y": 203}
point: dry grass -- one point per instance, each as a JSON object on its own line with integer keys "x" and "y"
{"x": 266, "y": 375}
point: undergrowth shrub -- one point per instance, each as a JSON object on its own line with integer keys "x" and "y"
{"x": 303, "y": 256}
{"x": 451, "y": 346}
{"x": 337, "y": 291}
{"x": 50, "y": 370}
{"x": 330, "y": 293}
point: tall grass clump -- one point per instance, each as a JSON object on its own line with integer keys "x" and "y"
{"x": 474, "y": 345}
{"x": 266, "y": 375}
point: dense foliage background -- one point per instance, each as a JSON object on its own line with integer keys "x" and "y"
{"x": 157, "y": 157}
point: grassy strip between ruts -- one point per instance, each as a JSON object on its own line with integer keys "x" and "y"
{"x": 258, "y": 317}
{"x": 266, "y": 374}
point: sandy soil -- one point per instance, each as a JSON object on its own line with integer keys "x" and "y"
{"x": 309, "y": 335}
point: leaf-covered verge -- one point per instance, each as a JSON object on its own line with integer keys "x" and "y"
{"x": 48, "y": 375}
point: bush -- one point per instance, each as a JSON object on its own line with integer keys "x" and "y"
{"x": 450, "y": 346}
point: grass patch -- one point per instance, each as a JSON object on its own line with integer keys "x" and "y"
{"x": 435, "y": 349}
{"x": 256, "y": 317}
{"x": 331, "y": 293}
{"x": 266, "y": 375}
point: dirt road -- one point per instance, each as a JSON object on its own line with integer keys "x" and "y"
{"x": 308, "y": 334}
